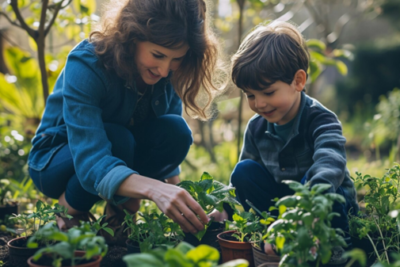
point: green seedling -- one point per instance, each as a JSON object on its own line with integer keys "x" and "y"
{"x": 31, "y": 222}
{"x": 245, "y": 224}
{"x": 210, "y": 194}
{"x": 153, "y": 230}
{"x": 62, "y": 245}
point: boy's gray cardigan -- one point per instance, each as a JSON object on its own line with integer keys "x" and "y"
{"x": 314, "y": 149}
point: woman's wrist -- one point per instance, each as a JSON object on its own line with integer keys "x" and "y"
{"x": 138, "y": 186}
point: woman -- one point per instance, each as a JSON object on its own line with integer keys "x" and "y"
{"x": 112, "y": 128}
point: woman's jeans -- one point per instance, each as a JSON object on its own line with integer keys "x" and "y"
{"x": 154, "y": 149}
{"x": 254, "y": 183}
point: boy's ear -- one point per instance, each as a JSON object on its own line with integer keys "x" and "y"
{"x": 300, "y": 79}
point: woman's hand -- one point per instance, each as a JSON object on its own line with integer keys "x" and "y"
{"x": 179, "y": 205}
{"x": 217, "y": 216}
{"x": 173, "y": 201}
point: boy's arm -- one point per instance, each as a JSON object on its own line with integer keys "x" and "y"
{"x": 329, "y": 152}
{"x": 249, "y": 149}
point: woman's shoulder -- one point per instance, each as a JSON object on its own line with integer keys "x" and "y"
{"x": 84, "y": 51}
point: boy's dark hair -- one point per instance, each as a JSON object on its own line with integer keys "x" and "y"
{"x": 270, "y": 53}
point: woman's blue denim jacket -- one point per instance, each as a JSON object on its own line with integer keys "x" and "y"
{"x": 84, "y": 97}
{"x": 314, "y": 150}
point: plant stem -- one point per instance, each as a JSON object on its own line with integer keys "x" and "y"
{"x": 373, "y": 245}
{"x": 383, "y": 241}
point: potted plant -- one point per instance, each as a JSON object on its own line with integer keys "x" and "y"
{"x": 78, "y": 247}
{"x": 151, "y": 230}
{"x": 374, "y": 230}
{"x": 257, "y": 238}
{"x": 210, "y": 194}
{"x": 7, "y": 207}
{"x": 303, "y": 234}
{"x": 31, "y": 223}
{"x": 182, "y": 255}
{"x": 236, "y": 242}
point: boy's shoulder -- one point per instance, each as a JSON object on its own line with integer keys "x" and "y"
{"x": 313, "y": 110}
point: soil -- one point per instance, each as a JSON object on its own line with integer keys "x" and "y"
{"x": 228, "y": 236}
{"x": 114, "y": 257}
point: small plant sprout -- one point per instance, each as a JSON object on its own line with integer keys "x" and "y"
{"x": 153, "y": 230}
{"x": 210, "y": 194}
{"x": 31, "y": 222}
{"x": 62, "y": 245}
{"x": 245, "y": 224}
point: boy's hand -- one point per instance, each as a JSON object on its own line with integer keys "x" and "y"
{"x": 217, "y": 216}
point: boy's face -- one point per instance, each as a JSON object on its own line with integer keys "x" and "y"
{"x": 278, "y": 103}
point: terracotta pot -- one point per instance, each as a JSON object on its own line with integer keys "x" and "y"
{"x": 8, "y": 210}
{"x": 20, "y": 253}
{"x": 260, "y": 258}
{"x": 95, "y": 263}
{"x": 231, "y": 249}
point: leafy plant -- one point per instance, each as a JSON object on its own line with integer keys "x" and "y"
{"x": 153, "y": 230}
{"x": 248, "y": 226}
{"x": 210, "y": 194}
{"x": 304, "y": 225}
{"x": 182, "y": 255}
{"x": 32, "y": 222}
{"x": 376, "y": 223}
{"x": 62, "y": 245}
{"x": 96, "y": 226}
{"x": 264, "y": 223}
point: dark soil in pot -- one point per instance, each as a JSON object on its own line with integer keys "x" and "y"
{"x": 114, "y": 256}
{"x": 18, "y": 252}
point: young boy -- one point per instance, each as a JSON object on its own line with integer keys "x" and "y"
{"x": 292, "y": 136}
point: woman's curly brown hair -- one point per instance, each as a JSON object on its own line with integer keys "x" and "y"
{"x": 168, "y": 23}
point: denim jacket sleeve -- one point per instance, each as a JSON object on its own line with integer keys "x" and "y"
{"x": 329, "y": 152}
{"x": 85, "y": 85}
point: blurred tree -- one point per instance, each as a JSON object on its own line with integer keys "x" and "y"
{"x": 42, "y": 17}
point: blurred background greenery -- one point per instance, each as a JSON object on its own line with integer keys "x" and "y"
{"x": 355, "y": 70}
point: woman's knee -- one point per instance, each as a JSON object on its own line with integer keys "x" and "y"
{"x": 178, "y": 132}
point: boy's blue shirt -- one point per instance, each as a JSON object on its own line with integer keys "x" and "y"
{"x": 314, "y": 149}
{"x": 85, "y": 97}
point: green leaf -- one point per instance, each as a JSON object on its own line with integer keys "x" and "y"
{"x": 358, "y": 255}
{"x": 235, "y": 263}
{"x": 341, "y": 67}
{"x": 316, "y": 44}
{"x": 176, "y": 258}
{"x": 280, "y": 242}
{"x": 203, "y": 253}
{"x": 142, "y": 260}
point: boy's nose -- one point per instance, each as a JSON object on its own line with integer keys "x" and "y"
{"x": 260, "y": 103}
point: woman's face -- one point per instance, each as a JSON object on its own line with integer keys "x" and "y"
{"x": 155, "y": 62}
